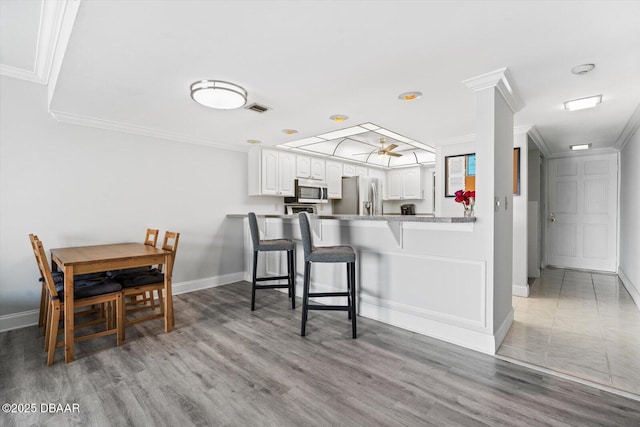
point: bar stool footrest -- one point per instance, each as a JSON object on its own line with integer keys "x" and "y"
{"x": 272, "y": 286}
{"x": 264, "y": 279}
{"x": 329, "y": 294}
{"x": 328, "y": 307}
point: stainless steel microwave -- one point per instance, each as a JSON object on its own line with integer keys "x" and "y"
{"x": 309, "y": 191}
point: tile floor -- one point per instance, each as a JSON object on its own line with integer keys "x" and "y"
{"x": 580, "y": 324}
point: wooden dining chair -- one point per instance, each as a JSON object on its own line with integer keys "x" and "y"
{"x": 58, "y": 279}
{"x": 88, "y": 293}
{"x": 149, "y": 281}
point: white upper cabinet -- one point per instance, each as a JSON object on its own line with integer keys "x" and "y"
{"x": 318, "y": 169}
{"x": 381, "y": 175}
{"x": 334, "y": 179}
{"x": 404, "y": 184}
{"x": 286, "y": 173}
{"x": 348, "y": 169}
{"x": 303, "y": 166}
{"x": 310, "y": 167}
{"x": 271, "y": 172}
{"x": 361, "y": 171}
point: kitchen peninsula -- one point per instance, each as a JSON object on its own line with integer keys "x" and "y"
{"x": 420, "y": 273}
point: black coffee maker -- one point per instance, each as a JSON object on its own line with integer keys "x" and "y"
{"x": 408, "y": 209}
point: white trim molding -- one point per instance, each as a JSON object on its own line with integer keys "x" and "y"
{"x": 629, "y": 129}
{"x": 30, "y": 318}
{"x": 51, "y": 14}
{"x": 633, "y": 289}
{"x": 500, "y": 79}
{"x": 537, "y": 139}
{"x": 520, "y": 290}
{"x": 93, "y": 122}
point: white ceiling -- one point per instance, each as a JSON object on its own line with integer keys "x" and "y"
{"x": 128, "y": 65}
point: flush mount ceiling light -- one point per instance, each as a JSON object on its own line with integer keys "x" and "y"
{"x": 289, "y": 131}
{"x": 218, "y": 94}
{"x": 253, "y": 141}
{"x": 580, "y": 147}
{"x": 339, "y": 118}
{"x": 582, "y": 103}
{"x": 583, "y": 69}
{"x": 410, "y": 96}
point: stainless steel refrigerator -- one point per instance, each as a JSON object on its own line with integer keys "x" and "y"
{"x": 361, "y": 195}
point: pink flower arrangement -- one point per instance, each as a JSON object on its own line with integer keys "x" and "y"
{"x": 468, "y": 199}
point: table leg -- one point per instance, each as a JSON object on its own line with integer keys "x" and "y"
{"x": 68, "y": 314}
{"x": 168, "y": 297}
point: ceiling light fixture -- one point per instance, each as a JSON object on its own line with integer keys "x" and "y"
{"x": 339, "y": 118}
{"x": 582, "y": 103}
{"x": 583, "y": 69}
{"x": 218, "y": 94}
{"x": 253, "y": 141}
{"x": 410, "y": 96}
{"x": 289, "y": 131}
{"x": 580, "y": 147}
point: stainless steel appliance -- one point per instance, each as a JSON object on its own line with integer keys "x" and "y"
{"x": 361, "y": 195}
{"x": 408, "y": 209}
{"x": 309, "y": 191}
{"x": 295, "y": 209}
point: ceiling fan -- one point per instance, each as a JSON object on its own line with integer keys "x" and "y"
{"x": 388, "y": 150}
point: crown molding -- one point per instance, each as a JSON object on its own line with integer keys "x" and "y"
{"x": 502, "y": 80}
{"x": 96, "y": 123}
{"x": 66, "y": 22}
{"x": 51, "y": 14}
{"x": 581, "y": 153}
{"x": 20, "y": 73}
{"x": 537, "y": 139}
{"x": 629, "y": 129}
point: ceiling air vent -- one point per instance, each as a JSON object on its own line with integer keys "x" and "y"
{"x": 257, "y": 108}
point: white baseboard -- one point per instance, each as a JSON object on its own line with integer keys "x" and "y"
{"x": 19, "y": 320}
{"x": 520, "y": 290}
{"x": 209, "y": 282}
{"x": 30, "y": 318}
{"x": 416, "y": 320}
{"x": 503, "y": 330}
{"x": 633, "y": 290}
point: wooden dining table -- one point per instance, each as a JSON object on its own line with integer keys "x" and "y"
{"x": 92, "y": 259}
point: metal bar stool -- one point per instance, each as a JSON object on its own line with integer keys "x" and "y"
{"x": 327, "y": 254}
{"x": 269, "y": 246}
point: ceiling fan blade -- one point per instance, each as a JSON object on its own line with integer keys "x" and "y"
{"x": 389, "y": 147}
{"x": 389, "y": 153}
{"x": 362, "y": 154}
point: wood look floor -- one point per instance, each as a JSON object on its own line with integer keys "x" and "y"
{"x": 226, "y": 365}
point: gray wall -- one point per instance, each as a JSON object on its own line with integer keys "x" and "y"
{"x": 629, "y": 267}
{"x": 74, "y": 185}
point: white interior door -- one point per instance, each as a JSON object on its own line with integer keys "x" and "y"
{"x": 582, "y": 212}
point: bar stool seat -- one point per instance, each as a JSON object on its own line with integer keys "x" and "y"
{"x": 327, "y": 254}
{"x": 272, "y": 245}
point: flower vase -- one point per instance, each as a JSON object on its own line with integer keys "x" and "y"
{"x": 468, "y": 208}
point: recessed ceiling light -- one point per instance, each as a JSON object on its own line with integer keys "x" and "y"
{"x": 580, "y": 147}
{"x": 583, "y": 69}
{"x": 218, "y": 94}
{"x": 582, "y": 103}
{"x": 289, "y": 131}
{"x": 339, "y": 118}
{"x": 410, "y": 96}
{"x": 253, "y": 141}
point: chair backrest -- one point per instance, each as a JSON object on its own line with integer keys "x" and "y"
{"x": 43, "y": 265}
{"x": 170, "y": 243}
{"x": 255, "y": 231}
{"x": 151, "y": 238}
{"x": 305, "y": 232}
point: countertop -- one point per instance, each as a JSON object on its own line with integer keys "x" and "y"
{"x": 387, "y": 217}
